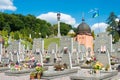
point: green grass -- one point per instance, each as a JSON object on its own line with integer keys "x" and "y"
{"x": 48, "y": 41}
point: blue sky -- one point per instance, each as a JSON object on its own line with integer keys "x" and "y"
{"x": 71, "y": 9}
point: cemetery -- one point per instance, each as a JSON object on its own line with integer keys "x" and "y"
{"x": 69, "y": 59}
{"x": 77, "y": 58}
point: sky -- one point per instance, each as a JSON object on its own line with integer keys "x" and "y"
{"x": 71, "y": 11}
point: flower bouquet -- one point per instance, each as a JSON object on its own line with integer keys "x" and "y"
{"x": 97, "y": 66}
{"x": 32, "y": 75}
{"x": 39, "y": 70}
{"x": 91, "y": 60}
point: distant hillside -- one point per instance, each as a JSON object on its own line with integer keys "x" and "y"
{"x": 47, "y": 41}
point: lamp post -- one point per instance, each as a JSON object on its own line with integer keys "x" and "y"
{"x": 58, "y": 19}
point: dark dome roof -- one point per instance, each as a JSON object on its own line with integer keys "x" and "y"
{"x": 83, "y": 28}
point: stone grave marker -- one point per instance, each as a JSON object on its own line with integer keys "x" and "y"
{"x": 104, "y": 58}
{"x": 82, "y": 52}
{"x": 5, "y": 60}
{"x": 66, "y": 42}
{"x": 103, "y": 48}
{"x": 116, "y": 49}
{"x": 0, "y": 51}
{"x": 38, "y": 45}
{"x": 16, "y": 51}
{"x": 66, "y": 58}
{"x": 53, "y": 48}
{"x": 103, "y": 42}
{"x": 75, "y": 55}
{"x": 38, "y": 49}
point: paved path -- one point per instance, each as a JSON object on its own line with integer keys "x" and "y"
{"x": 26, "y": 77}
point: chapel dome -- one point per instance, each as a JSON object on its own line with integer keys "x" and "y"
{"x": 83, "y": 28}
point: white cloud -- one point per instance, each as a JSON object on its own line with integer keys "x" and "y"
{"x": 7, "y": 5}
{"x": 99, "y": 27}
{"x": 52, "y": 18}
{"x": 117, "y": 19}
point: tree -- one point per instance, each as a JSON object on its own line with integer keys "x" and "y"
{"x": 112, "y": 28}
{"x": 93, "y": 34}
{"x": 118, "y": 29}
{"x": 17, "y": 35}
{"x": 65, "y": 28}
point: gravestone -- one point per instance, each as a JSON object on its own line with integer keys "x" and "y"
{"x": 39, "y": 58}
{"x": 52, "y": 51}
{"x": 22, "y": 52}
{"x": 10, "y": 48}
{"x": 5, "y": 60}
{"x": 103, "y": 48}
{"x": 38, "y": 45}
{"x": 10, "y": 56}
{"x": 16, "y": 51}
{"x": 53, "y": 48}
{"x": 66, "y": 58}
{"x": 0, "y": 51}
{"x": 116, "y": 50}
{"x": 103, "y": 42}
{"x": 75, "y": 55}
{"x": 104, "y": 58}
{"x": 66, "y": 42}
{"x": 13, "y": 48}
{"x": 66, "y": 48}
{"x": 82, "y": 52}
{"x": 38, "y": 49}
{"x": 51, "y": 57}
{"x": 15, "y": 56}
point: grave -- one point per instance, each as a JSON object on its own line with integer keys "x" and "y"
{"x": 66, "y": 59}
{"x": 103, "y": 42}
{"x": 104, "y": 58}
{"x": 5, "y": 60}
{"x": 52, "y": 48}
{"x": 16, "y": 51}
{"x": 38, "y": 45}
{"x": 103, "y": 48}
{"x": 82, "y": 52}
{"x": 0, "y": 50}
{"x": 85, "y": 75}
{"x": 116, "y": 50}
{"x": 75, "y": 55}
{"x": 66, "y": 42}
{"x": 66, "y": 49}
{"x": 38, "y": 49}
{"x": 52, "y": 53}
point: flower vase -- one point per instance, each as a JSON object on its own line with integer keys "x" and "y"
{"x": 38, "y": 76}
{"x": 31, "y": 77}
{"x": 96, "y": 71}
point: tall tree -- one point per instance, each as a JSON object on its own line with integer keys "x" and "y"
{"x": 112, "y": 28}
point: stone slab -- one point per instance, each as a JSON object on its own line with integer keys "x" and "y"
{"x": 85, "y": 75}
{"x": 54, "y": 74}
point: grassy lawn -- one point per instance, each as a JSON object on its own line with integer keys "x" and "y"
{"x": 47, "y": 41}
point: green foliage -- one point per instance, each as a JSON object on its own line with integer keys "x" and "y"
{"x": 47, "y": 41}
{"x": 113, "y": 26}
{"x": 18, "y": 26}
{"x": 16, "y": 35}
{"x": 93, "y": 34}
{"x": 32, "y": 74}
{"x": 4, "y": 35}
{"x": 65, "y": 28}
